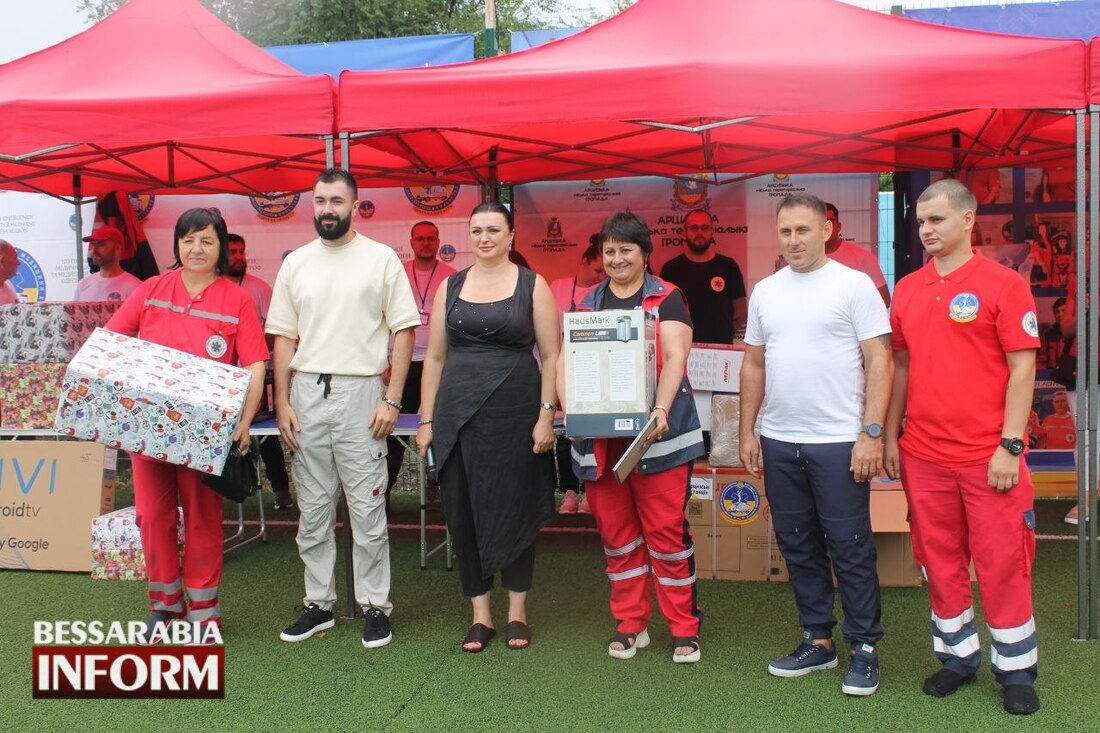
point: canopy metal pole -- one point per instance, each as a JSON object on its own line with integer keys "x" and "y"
{"x": 345, "y": 154}
{"x": 1084, "y": 415}
{"x": 1094, "y": 316}
{"x": 330, "y": 153}
{"x": 78, "y": 199}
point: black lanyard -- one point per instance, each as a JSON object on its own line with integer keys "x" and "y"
{"x": 416, "y": 282}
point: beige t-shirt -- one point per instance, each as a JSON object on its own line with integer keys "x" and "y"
{"x": 341, "y": 304}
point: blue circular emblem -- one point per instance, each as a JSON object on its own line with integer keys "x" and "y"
{"x": 366, "y": 208}
{"x": 964, "y": 308}
{"x": 1031, "y": 324}
{"x": 447, "y": 253}
{"x": 740, "y": 502}
{"x": 142, "y": 204}
{"x": 432, "y": 198}
{"x": 29, "y": 281}
{"x": 216, "y": 346}
{"x": 275, "y": 205}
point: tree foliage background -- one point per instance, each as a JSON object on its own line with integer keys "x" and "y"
{"x": 285, "y": 22}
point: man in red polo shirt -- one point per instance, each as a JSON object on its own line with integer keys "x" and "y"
{"x": 965, "y": 338}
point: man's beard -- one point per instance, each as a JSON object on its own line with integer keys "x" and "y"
{"x": 329, "y": 230}
{"x": 238, "y": 270}
{"x": 694, "y": 246}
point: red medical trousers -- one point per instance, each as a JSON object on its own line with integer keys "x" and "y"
{"x": 156, "y": 488}
{"x": 956, "y": 516}
{"x": 645, "y": 535}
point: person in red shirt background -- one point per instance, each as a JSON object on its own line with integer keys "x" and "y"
{"x": 965, "y": 338}
{"x": 195, "y": 309}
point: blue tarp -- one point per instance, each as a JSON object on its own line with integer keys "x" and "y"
{"x": 1078, "y": 19}
{"x": 376, "y": 53}
{"x": 529, "y": 39}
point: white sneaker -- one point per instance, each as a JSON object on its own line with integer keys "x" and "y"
{"x": 1071, "y": 516}
{"x": 569, "y": 503}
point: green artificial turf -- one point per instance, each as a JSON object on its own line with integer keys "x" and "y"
{"x": 565, "y": 681}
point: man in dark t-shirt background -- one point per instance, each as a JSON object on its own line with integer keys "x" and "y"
{"x": 712, "y": 283}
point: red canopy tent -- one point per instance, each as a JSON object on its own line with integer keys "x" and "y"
{"x": 162, "y": 96}
{"x": 674, "y": 87}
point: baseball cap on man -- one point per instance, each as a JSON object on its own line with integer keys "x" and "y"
{"x": 107, "y": 231}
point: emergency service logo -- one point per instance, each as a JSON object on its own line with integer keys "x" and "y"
{"x": 29, "y": 281}
{"x": 740, "y": 502}
{"x": 689, "y": 194}
{"x": 964, "y": 308}
{"x": 447, "y": 253}
{"x": 717, "y": 284}
{"x": 366, "y": 208}
{"x": 142, "y": 204}
{"x": 433, "y": 198}
{"x": 1031, "y": 324}
{"x": 275, "y": 205}
{"x": 216, "y": 346}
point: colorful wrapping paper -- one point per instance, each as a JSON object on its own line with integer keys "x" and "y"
{"x": 116, "y": 546}
{"x": 28, "y": 395}
{"x": 42, "y": 333}
{"x": 152, "y": 400}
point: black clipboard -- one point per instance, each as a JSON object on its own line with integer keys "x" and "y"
{"x": 635, "y": 450}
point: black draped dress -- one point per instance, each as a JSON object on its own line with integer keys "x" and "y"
{"x": 488, "y": 404}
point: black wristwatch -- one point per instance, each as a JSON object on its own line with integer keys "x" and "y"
{"x": 873, "y": 430}
{"x": 1015, "y": 446}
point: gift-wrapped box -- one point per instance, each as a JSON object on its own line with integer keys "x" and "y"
{"x": 152, "y": 400}
{"x": 116, "y": 546}
{"x": 28, "y": 395}
{"x": 42, "y": 333}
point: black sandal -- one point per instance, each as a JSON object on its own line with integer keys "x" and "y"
{"x": 478, "y": 634}
{"x": 631, "y": 644}
{"x": 517, "y": 631}
{"x": 692, "y": 656}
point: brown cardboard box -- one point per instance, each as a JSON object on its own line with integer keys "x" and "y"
{"x": 49, "y": 493}
{"x": 731, "y": 524}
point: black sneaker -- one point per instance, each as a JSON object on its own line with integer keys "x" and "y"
{"x": 283, "y": 500}
{"x": 313, "y": 619}
{"x": 808, "y": 657}
{"x": 863, "y": 672}
{"x": 376, "y": 628}
{"x": 156, "y": 629}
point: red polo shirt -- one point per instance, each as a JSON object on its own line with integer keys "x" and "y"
{"x": 957, "y": 329}
{"x": 220, "y": 323}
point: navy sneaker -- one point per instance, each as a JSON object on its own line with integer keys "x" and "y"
{"x": 156, "y": 628}
{"x": 808, "y": 657}
{"x": 862, "y": 677}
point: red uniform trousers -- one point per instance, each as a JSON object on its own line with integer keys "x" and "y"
{"x": 956, "y": 516}
{"x": 156, "y": 488}
{"x": 645, "y": 533}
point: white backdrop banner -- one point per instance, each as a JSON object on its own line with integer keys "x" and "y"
{"x": 43, "y": 231}
{"x": 555, "y": 219}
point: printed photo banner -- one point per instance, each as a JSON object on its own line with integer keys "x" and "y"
{"x": 555, "y": 219}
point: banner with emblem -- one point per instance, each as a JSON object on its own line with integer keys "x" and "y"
{"x": 43, "y": 231}
{"x": 554, "y": 220}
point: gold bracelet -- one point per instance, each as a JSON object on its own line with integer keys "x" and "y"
{"x": 660, "y": 407}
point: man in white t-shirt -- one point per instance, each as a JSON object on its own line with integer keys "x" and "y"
{"x": 271, "y": 448}
{"x": 818, "y": 358}
{"x": 9, "y": 263}
{"x": 426, "y": 273}
{"x": 854, "y": 256}
{"x": 107, "y": 249}
{"x": 337, "y": 301}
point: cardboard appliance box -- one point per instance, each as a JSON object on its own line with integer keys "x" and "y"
{"x": 49, "y": 492}
{"x": 610, "y": 372}
{"x": 152, "y": 400}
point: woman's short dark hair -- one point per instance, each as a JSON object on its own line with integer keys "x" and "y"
{"x": 495, "y": 207}
{"x": 627, "y": 227}
{"x": 195, "y": 220}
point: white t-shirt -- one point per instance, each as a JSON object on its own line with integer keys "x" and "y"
{"x": 857, "y": 258}
{"x": 425, "y": 285}
{"x": 7, "y": 294}
{"x": 96, "y": 287}
{"x": 259, "y": 291}
{"x": 810, "y": 325}
{"x": 341, "y": 303}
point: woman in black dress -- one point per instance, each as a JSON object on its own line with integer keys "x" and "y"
{"x": 488, "y": 415}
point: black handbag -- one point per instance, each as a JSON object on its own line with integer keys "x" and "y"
{"x": 240, "y": 478}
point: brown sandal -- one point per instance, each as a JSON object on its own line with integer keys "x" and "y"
{"x": 517, "y": 631}
{"x": 478, "y": 634}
